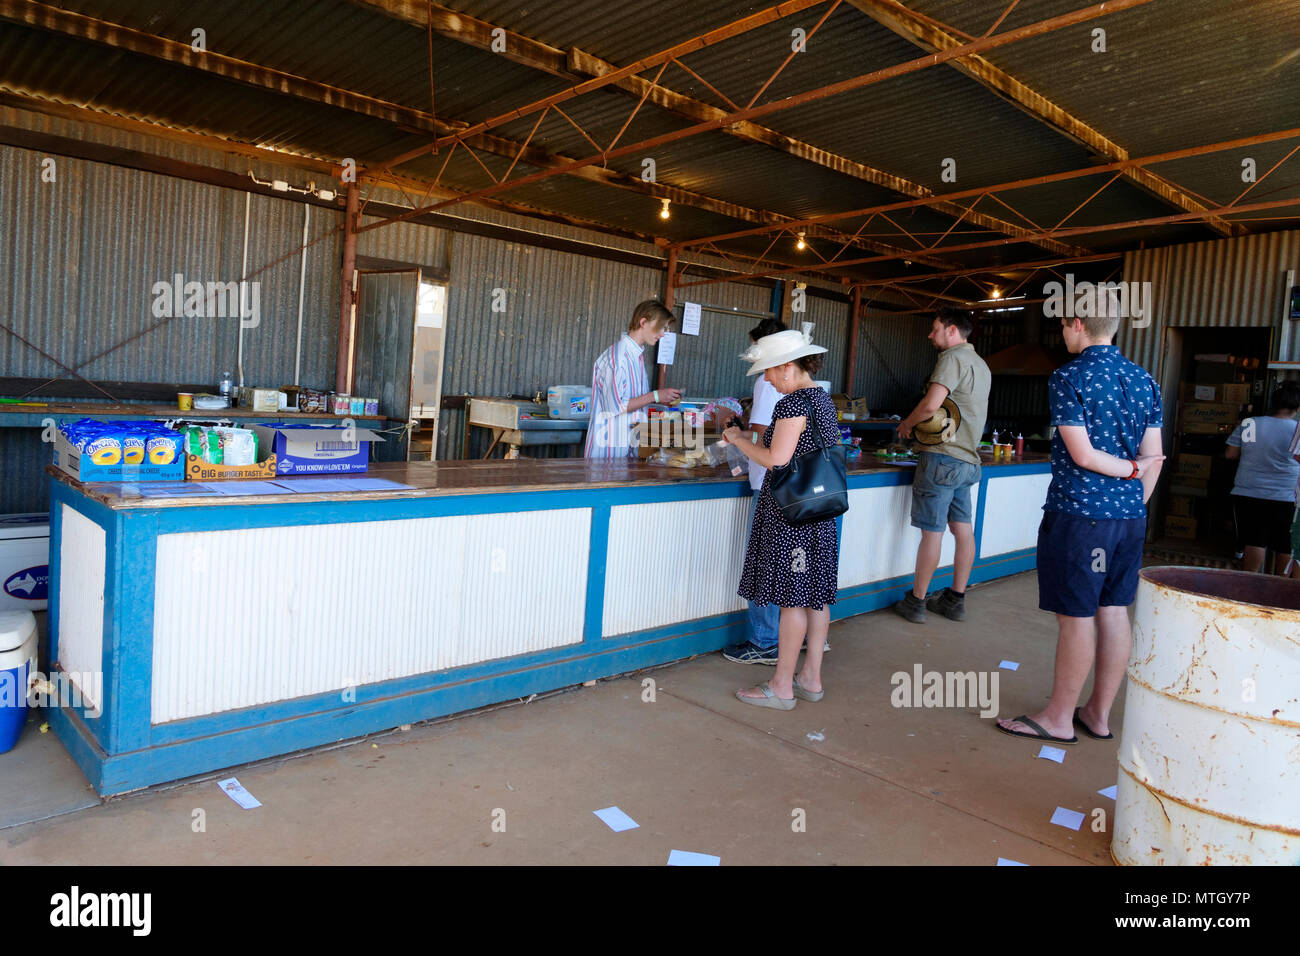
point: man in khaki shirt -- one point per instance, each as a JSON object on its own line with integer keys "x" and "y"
{"x": 945, "y": 473}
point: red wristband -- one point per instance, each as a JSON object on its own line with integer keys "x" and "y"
{"x": 1135, "y": 472}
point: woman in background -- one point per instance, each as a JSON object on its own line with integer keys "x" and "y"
{"x": 1264, "y": 493}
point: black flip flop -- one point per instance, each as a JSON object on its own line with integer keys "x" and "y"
{"x": 1040, "y": 735}
{"x": 1084, "y": 727}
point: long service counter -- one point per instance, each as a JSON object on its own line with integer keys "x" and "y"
{"x": 231, "y": 629}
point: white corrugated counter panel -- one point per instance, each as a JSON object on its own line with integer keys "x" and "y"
{"x": 877, "y": 540}
{"x": 251, "y": 616}
{"x": 81, "y": 603}
{"x": 1013, "y": 513}
{"x": 673, "y": 561}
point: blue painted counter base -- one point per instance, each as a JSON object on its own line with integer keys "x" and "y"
{"x": 120, "y": 749}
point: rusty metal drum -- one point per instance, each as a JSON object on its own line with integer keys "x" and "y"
{"x": 1209, "y": 761}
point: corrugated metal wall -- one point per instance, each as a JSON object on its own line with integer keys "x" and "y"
{"x": 832, "y": 320}
{"x": 80, "y": 257}
{"x": 894, "y": 361}
{"x": 709, "y": 365}
{"x": 82, "y": 254}
{"x": 1227, "y": 282}
{"x": 560, "y": 311}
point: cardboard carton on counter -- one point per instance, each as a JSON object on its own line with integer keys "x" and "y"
{"x": 83, "y": 467}
{"x": 316, "y": 449}
{"x": 196, "y": 469}
{"x": 857, "y": 407}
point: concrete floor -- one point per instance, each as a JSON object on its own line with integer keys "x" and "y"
{"x": 698, "y": 771}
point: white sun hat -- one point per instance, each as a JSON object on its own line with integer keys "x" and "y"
{"x": 781, "y": 347}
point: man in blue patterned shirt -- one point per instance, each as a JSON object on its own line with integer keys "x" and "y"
{"x": 1106, "y": 457}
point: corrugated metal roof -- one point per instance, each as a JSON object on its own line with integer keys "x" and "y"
{"x": 357, "y": 47}
{"x": 1173, "y": 74}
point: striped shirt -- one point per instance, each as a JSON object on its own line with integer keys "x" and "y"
{"x": 617, "y": 377}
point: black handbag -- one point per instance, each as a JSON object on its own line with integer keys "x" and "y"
{"x": 813, "y": 486}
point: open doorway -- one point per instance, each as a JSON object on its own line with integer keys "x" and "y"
{"x": 1212, "y": 379}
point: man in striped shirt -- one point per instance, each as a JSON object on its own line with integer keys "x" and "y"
{"x": 620, "y": 389}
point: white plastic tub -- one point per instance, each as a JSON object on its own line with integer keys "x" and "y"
{"x": 569, "y": 401}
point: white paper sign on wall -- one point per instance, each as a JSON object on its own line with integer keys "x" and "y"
{"x": 691, "y": 318}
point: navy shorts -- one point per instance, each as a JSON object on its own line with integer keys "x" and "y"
{"x": 941, "y": 491}
{"x": 1087, "y": 563}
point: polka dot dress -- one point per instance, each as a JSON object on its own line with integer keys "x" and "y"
{"x": 793, "y": 565}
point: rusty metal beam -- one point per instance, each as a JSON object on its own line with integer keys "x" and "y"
{"x": 40, "y": 15}
{"x": 52, "y": 19}
{"x": 575, "y": 64}
{"x": 932, "y": 37}
{"x": 855, "y": 324}
{"x": 347, "y": 294}
{"x": 1074, "y": 231}
{"x": 663, "y": 57}
{"x": 986, "y": 270}
{"x": 1013, "y": 185}
{"x": 690, "y": 108}
{"x": 328, "y": 168}
{"x": 844, "y": 86}
{"x": 540, "y": 158}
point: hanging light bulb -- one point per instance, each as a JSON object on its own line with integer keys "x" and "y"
{"x": 663, "y": 213}
{"x": 801, "y": 245}
{"x": 997, "y": 293}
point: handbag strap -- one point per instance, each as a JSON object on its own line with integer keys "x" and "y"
{"x": 817, "y": 432}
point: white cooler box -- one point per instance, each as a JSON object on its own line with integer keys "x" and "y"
{"x": 24, "y": 561}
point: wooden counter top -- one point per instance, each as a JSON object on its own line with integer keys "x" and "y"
{"x": 499, "y": 476}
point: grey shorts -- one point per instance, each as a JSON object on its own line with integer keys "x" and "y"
{"x": 941, "y": 491}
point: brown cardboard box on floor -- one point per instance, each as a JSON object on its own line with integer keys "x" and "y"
{"x": 1180, "y": 505}
{"x": 1180, "y": 526}
{"x": 1234, "y": 394}
{"x": 1193, "y": 466}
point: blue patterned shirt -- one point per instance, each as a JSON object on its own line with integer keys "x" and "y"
{"x": 1116, "y": 401}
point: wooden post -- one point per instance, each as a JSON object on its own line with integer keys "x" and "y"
{"x": 855, "y": 316}
{"x": 347, "y": 294}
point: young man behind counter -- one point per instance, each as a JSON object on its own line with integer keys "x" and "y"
{"x": 620, "y": 388}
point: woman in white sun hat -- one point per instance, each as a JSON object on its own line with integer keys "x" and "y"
{"x": 791, "y": 566}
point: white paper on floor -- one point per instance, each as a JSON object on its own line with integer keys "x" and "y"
{"x": 616, "y": 819}
{"x": 817, "y": 736}
{"x": 687, "y": 858}
{"x": 235, "y": 791}
{"x": 1070, "y": 819}
{"x": 1009, "y": 665}
{"x": 1003, "y": 861}
{"x": 1052, "y": 753}
{"x": 1109, "y": 791}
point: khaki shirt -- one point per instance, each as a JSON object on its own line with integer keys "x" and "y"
{"x": 967, "y": 378}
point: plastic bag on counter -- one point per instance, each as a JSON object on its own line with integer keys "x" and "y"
{"x": 221, "y": 446}
{"x": 662, "y": 457}
{"x": 737, "y": 463}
